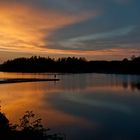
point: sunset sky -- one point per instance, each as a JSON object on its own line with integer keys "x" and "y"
{"x": 95, "y": 29}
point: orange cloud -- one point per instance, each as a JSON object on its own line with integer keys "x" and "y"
{"x": 23, "y": 28}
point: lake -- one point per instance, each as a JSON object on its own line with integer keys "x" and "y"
{"x": 82, "y": 106}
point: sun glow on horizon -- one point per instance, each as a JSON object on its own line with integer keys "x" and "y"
{"x": 63, "y": 29}
{"x": 23, "y": 29}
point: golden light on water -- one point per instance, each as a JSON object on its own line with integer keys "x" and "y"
{"x": 31, "y": 96}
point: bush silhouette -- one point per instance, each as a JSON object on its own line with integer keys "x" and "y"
{"x": 28, "y": 128}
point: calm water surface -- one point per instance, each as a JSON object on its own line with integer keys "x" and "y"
{"x": 83, "y": 106}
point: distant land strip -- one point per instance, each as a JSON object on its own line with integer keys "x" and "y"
{"x": 20, "y": 80}
{"x": 39, "y": 64}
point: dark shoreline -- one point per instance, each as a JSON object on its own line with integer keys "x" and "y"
{"x": 63, "y": 73}
{"x": 71, "y": 65}
{"x": 21, "y": 80}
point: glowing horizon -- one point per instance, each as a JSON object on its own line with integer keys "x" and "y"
{"x": 69, "y": 28}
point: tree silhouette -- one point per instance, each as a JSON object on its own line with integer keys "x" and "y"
{"x": 71, "y": 65}
{"x": 28, "y": 128}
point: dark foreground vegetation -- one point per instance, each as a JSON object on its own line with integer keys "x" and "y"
{"x": 72, "y": 65}
{"x": 28, "y": 128}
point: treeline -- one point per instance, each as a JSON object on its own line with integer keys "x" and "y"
{"x": 71, "y": 65}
